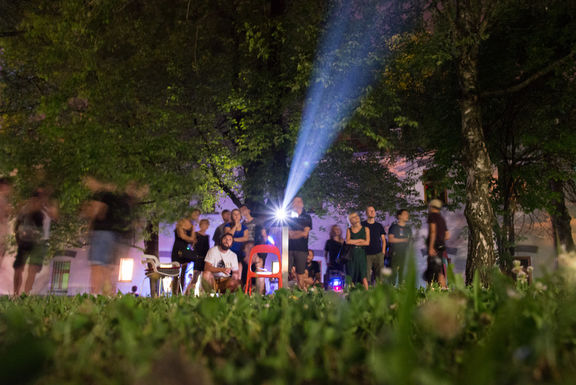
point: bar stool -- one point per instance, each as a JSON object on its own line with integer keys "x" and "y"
{"x": 270, "y": 249}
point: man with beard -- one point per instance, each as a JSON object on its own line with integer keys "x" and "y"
{"x": 221, "y": 266}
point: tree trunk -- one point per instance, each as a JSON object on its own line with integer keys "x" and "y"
{"x": 560, "y": 218}
{"x": 478, "y": 211}
{"x": 151, "y": 243}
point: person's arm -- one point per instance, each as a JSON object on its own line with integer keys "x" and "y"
{"x": 244, "y": 237}
{"x": 297, "y": 234}
{"x": 383, "y": 236}
{"x": 182, "y": 233}
{"x": 52, "y": 209}
{"x": 210, "y": 268}
{"x": 365, "y": 241}
{"x": 432, "y": 239}
{"x": 235, "y": 271}
{"x": 349, "y": 239}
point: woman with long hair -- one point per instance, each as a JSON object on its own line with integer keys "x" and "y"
{"x": 240, "y": 233}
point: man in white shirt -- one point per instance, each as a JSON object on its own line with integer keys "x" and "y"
{"x": 221, "y": 266}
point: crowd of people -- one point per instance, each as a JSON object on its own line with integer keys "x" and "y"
{"x": 366, "y": 254}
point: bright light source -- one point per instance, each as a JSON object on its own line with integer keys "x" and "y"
{"x": 281, "y": 214}
{"x": 275, "y": 267}
{"x": 126, "y": 270}
{"x": 271, "y": 240}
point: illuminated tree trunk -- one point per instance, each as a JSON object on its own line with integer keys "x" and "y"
{"x": 561, "y": 219}
{"x": 478, "y": 211}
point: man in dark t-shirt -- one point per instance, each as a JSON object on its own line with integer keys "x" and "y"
{"x": 299, "y": 230}
{"x": 399, "y": 238}
{"x": 377, "y": 247}
{"x": 438, "y": 234}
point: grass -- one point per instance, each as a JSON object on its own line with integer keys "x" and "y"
{"x": 507, "y": 334}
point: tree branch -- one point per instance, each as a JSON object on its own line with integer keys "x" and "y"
{"x": 225, "y": 187}
{"x": 520, "y": 86}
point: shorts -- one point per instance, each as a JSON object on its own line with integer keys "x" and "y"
{"x": 33, "y": 253}
{"x": 221, "y": 285}
{"x": 103, "y": 247}
{"x": 298, "y": 259}
{"x": 434, "y": 269}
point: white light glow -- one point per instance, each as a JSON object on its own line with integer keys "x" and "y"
{"x": 126, "y": 270}
{"x": 281, "y": 214}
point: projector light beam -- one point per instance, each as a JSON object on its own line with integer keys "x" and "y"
{"x": 346, "y": 64}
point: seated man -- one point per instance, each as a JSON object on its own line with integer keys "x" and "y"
{"x": 221, "y": 266}
{"x": 312, "y": 270}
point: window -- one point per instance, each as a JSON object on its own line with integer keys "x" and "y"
{"x": 60, "y": 277}
{"x": 433, "y": 187}
{"x": 126, "y": 270}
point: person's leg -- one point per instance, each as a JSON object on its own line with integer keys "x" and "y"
{"x": 31, "y": 277}
{"x": 18, "y": 279}
{"x": 377, "y": 266}
{"x": 257, "y": 265}
{"x": 96, "y": 279}
{"x": 300, "y": 267}
{"x": 208, "y": 281}
{"x": 193, "y": 281}
{"x": 369, "y": 258}
{"x": 19, "y": 263}
{"x": 110, "y": 278}
{"x": 401, "y": 263}
{"x": 365, "y": 283}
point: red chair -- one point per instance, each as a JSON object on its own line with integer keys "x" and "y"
{"x": 270, "y": 249}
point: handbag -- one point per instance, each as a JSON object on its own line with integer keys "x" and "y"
{"x": 345, "y": 253}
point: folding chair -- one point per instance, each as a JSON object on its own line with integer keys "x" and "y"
{"x": 156, "y": 271}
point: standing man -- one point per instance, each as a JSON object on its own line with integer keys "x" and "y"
{"x": 377, "y": 248}
{"x": 226, "y": 216}
{"x": 299, "y": 229}
{"x": 438, "y": 234}
{"x": 399, "y": 236}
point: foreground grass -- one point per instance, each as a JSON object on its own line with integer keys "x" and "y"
{"x": 502, "y": 335}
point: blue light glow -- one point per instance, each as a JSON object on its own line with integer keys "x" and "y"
{"x": 346, "y": 64}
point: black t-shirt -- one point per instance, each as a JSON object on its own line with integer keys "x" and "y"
{"x": 440, "y": 228}
{"x": 202, "y": 244}
{"x": 118, "y": 213}
{"x": 255, "y": 227}
{"x": 313, "y": 268}
{"x": 376, "y": 232}
{"x": 29, "y": 227}
{"x": 333, "y": 248}
{"x": 399, "y": 232}
{"x": 298, "y": 224}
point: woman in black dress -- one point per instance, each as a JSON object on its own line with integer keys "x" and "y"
{"x": 332, "y": 248}
{"x": 201, "y": 248}
{"x": 183, "y": 248}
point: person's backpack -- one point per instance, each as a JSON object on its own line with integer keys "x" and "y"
{"x": 26, "y": 229}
